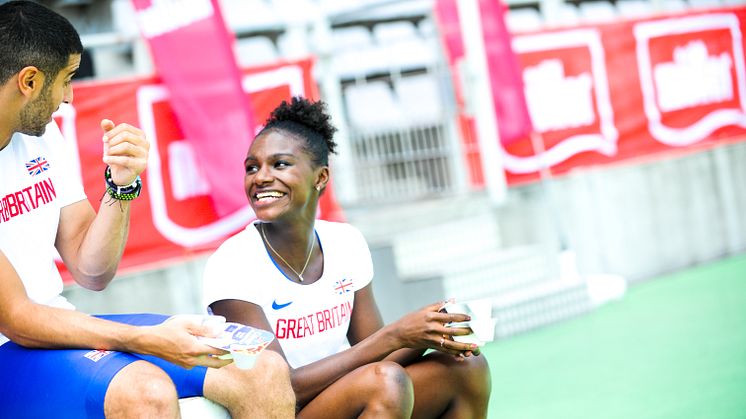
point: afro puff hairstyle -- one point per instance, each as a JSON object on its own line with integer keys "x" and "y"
{"x": 308, "y": 121}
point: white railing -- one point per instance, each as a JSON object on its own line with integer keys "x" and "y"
{"x": 403, "y": 164}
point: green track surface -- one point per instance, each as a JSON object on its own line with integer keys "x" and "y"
{"x": 673, "y": 347}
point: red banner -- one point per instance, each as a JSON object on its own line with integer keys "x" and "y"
{"x": 514, "y": 122}
{"x": 606, "y": 93}
{"x": 174, "y": 217}
{"x": 192, "y": 50}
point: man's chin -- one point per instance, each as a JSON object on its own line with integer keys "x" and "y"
{"x": 34, "y": 132}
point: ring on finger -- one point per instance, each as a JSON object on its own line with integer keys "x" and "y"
{"x": 442, "y": 341}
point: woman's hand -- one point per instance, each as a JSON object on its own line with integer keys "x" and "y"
{"x": 426, "y": 329}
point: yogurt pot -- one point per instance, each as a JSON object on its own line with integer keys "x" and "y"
{"x": 244, "y": 343}
{"x": 244, "y": 359}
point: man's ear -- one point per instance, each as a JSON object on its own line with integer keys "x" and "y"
{"x": 30, "y": 80}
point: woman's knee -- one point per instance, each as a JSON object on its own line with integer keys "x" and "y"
{"x": 472, "y": 374}
{"x": 390, "y": 385}
{"x": 473, "y": 378}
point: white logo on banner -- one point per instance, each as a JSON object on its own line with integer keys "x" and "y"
{"x": 187, "y": 178}
{"x": 555, "y": 101}
{"x": 707, "y": 79}
{"x": 149, "y": 95}
{"x": 694, "y": 78}
{"x": 168, "y": 15}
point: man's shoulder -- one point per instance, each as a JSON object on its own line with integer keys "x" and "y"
{"x": 52, "y": 138}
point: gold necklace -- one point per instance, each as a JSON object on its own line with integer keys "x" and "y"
{"x": 308, "y": 258}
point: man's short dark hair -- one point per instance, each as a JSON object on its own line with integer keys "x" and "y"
{"x": 33, "y": 35}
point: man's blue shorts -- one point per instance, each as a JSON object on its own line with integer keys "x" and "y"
{"x": 72, "y": 383}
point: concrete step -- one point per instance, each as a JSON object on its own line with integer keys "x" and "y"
{"x": 539, "y": 305}
{"x": 447, "y": 247}
{"x": 382, "y": 223}
{"x": 495, "y": 273}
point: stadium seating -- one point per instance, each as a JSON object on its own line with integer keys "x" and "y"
{"x": 427, "y": 28}
{"x": 674, "y": 5}
{"x": 597, "y": 11}
{"x": 372, "y": 106}
{"x": 568, "y": 14}
{"x": 524, "y": 19}
{"x": 355, "y": 54}
{"x": 255, "y": 50}
{"x": 705, "y": 4}
{"x": 351, "y": 37}
{"x": 249, "y": 15}
{"x": 420, "y": 98}
{"x": 401, "y": 42}
{"x": 634, "y": 8}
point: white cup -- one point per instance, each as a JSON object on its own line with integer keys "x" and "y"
{"x": 457, "y": 308}
{"x": 243, "y": 359}
{"x": 480, "y": 309}
{"x": 484, "y": 329}
{"x": 482, "y": 324}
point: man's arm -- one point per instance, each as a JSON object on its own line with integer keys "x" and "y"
{"x": 91, "y": 244}
{"x": 38, "y": 326}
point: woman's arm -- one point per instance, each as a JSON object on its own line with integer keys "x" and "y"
{"x": 418, "y": 331}
{"x": 370, "y": 341}
{"x": 366, "y": 320}
{"x": 310, "y": 380}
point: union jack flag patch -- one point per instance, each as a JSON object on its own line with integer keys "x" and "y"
{"x": 96, "y": 354}
{"x": 343, "y": 286}
{"x": 37, "y": 165}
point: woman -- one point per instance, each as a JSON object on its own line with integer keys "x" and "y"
{"x": 308, "y": 281}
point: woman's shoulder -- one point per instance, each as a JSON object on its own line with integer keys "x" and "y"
{"x": 242, "y": 241}
{"x": 337, "y": 228}
{"x": 334, "y": 226}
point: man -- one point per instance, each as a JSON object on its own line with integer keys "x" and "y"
{"x": 98, "y": 367}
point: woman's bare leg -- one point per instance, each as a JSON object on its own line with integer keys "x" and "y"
{"x": 446, "y": 388}
{"x": 377, "y": 390}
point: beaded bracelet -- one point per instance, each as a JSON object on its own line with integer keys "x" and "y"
{"x": 122, "y": 193}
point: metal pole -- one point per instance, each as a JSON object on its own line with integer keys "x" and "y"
{"x": 480, "y": 102}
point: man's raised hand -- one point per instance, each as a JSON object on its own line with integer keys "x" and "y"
{"x": 125, "y": 151}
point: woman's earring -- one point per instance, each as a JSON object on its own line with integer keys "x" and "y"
{"x": 318, "y": 188}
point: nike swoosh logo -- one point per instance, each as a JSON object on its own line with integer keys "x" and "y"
{"x": 279, "y": 306}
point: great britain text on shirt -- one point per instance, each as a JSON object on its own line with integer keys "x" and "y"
{"x": 26, "y": 200}
{"x": 318, "y": 322}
